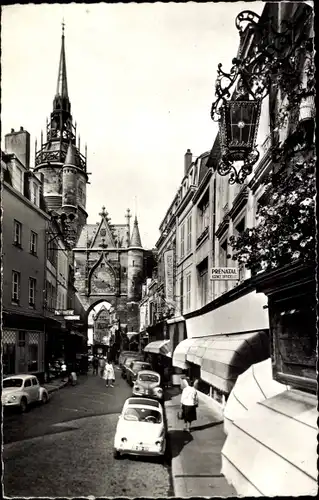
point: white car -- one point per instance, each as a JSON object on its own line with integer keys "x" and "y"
{"x": 21, "y": 390}
{"x": 140, "y": 429}
{"x": 148, "y": 384}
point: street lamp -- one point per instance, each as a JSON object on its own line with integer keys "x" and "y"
{"x": 267, "y": 59}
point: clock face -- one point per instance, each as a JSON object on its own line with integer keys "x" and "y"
{"x": 102, "y": 281}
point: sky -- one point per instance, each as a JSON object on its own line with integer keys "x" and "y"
{"x": 141, "y": 82}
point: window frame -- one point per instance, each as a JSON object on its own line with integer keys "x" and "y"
{"x": 188, "y": 291}
{"x": 35, "y": 193}
{"x": 16, "y": 284}
{"x": 17, "y": 235}
{"x": 182, "y": 240}
{"x": 189, "y": 234}
{"x": 32, "y": 291}
{"x": 33, "y": 243}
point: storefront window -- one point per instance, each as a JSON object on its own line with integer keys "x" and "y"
{"x": 8, "y": 358}
{"x": 33, "y": 358}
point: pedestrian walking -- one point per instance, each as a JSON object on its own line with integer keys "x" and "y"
{"x": 102, "y": 366}
{"x": 95, "y": 365}
{"x": 63, "y": 371}
{"x": 189, "y": 403}
{"x": 109, "y": 374}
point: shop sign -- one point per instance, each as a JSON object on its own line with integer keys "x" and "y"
{"x": 224, "y": 273}
{"x": 64, "y": 312}
{"x": 169, "y": 274}
{"x": 72, "y": 318}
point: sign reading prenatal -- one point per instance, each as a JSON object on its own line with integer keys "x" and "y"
{"x": 224, "y": 273}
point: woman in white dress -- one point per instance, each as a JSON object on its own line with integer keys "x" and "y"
{"x": 109, "y": 375}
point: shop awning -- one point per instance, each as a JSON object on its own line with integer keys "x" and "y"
{"x": 254, "y": 385}
{"x": 179, "y": 354}
{"x": 131, "y": 334}
{"x": 160, "y": 347}
{"x": 223, "y": 357}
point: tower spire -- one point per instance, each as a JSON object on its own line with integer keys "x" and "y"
{"x": 62, "y": 83}
{"x": 135, "y": 238}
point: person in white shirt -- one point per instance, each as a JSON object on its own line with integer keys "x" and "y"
{"x": 189, "y": 402}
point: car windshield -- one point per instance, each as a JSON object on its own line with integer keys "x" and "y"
{"x": 141, "y": 366}
{"x": 148, "y": 377}
{"x": 12, "y": 382}
{"x": 143, "y": 415}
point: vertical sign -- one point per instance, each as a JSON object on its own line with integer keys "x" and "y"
{"x": 169, "y": 275}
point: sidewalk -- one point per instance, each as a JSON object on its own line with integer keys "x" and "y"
{"x": 54, "y": 385}
{"x": 196, "y": 456}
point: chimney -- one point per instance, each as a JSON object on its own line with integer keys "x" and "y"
{"x": 18, "y": 143}
{"x": 188, "y": 158}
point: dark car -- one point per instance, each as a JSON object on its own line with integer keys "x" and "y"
{"x": 133, "y": 368}
{"x": 148, "y": 384}
{"x": 126, "y": 363}
{"x": 128, "y": 354}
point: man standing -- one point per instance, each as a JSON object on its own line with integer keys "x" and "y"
{"x": 95, "y": 365}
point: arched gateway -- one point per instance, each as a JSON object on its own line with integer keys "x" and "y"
{"x": 110, "y": 265}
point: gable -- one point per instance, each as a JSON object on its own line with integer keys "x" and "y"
{"x": 103, "y": 237}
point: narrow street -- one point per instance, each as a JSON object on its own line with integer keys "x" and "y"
{"x": 65, "y": 448}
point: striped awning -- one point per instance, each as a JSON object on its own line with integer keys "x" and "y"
{"x": 160, "y": 347}
{"x": 222, "y": 357}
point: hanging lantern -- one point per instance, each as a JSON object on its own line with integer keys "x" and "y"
{"x": 238, "y": 127}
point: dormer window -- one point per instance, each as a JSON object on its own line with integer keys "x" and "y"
{"x": 35, "y": 193}
{"x": 18, "y": 179}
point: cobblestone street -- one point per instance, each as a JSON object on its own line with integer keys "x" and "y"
{"x": 65, "y": 448}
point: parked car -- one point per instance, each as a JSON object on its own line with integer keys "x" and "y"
{"x": 127, "y": 362}
{"x": 133, "y": 368}
{"x": 128, "y": 354}
{"x": 148, "y": 383}
{"x": 19, "y": 391}
{"x": 140, "y": 429}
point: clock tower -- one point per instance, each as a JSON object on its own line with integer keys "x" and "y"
{"x": 61, "y": 163}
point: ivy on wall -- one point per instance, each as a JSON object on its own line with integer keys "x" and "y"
{"x": 285, "y": 229}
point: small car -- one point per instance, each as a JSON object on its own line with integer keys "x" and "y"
{"x": 148, "y": 383}
{"x": 140, "y": 429}
{"x": 127, "y": 361}
{"x": 128, "y": 354}
{"x": 19, "y": 391}
{"x": 133, "y": 368}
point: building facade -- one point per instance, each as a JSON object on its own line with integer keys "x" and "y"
{"x": 24, "y": 227}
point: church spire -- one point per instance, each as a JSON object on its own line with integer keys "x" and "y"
{"x": 61, "y": 100}
{"x": 62, "y": 84}
{"x": 135, "y": 238}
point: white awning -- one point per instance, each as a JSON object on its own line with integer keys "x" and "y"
{"x": 179, "y": 355}
{"x": 131, "y": 334}
{"x": 222, "y": 357}
{"x": 160, "y": 347}
{"x": 253, "y": 386}
{"x": 177, "y": 319}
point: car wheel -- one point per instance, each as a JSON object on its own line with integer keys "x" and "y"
{"x": 23, "y": 405}
{"x": 116, "y": 454}
{"x": 44, "y": 398}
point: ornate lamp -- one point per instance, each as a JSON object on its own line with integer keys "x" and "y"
{"x": 273, "y": 60}
{"x": 238, "y": 125}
